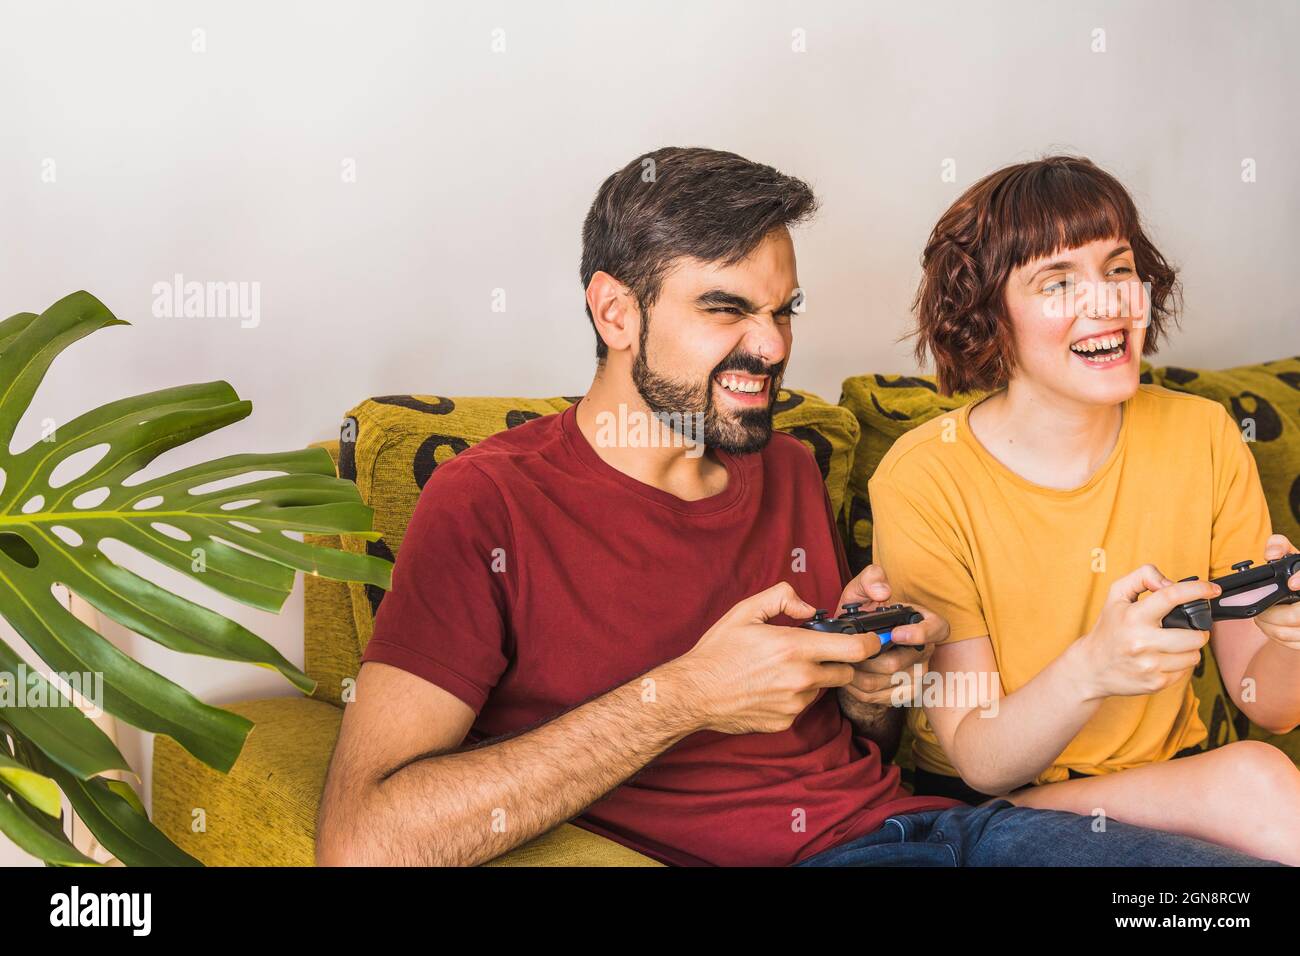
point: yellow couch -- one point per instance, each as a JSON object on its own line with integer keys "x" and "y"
{"x": 263, "y": 812}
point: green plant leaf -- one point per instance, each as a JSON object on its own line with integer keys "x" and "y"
{"x": 67, "y": 736}
{"x": 36, "y": 839}
{"x": 51, "y": 824}
{"x": 119, "y": 822}
{"x": 38, "y": 790}
{"x": 130, "y": 690}
{"x": 124, "y": 791}
{"x": 238, "y": 540}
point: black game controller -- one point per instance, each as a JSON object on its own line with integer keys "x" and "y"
{"x": 881, "y": 621}
{"x": 1246, "y": 593}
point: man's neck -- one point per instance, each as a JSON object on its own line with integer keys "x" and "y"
{"x": 1044, "y": 437}
{"x": 664, "y": 461}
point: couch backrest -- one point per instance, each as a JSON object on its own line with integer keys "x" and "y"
{"x": 392, "y": 444}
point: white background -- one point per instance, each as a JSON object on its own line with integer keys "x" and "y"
{"x": 474, "y": 170}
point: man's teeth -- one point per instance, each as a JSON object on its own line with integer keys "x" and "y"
{"x": 1113, "y": 343}
{"x": 733, "y": 384}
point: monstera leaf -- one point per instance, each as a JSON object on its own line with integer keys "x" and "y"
{"x": 53, "y": 521}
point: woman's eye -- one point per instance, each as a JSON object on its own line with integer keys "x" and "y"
{"x": 1121, "y": 270}
{"x": 730, "y": 310}
{"x": 1053, "y": 288}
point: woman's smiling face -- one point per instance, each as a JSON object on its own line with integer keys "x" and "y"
{"x": 1079, "y": 318}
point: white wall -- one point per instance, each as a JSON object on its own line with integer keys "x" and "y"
{"x": 474, "y": 169}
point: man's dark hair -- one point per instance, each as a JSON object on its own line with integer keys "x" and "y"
{"x": 683, "y": 201}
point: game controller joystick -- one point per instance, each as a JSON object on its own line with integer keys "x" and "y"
{"x": 1248, "y": 591}
{"x": 881, "y": 621}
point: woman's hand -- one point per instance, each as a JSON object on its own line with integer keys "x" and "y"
{"x": 912, "y": 645}
{"x": 1281, "y": 622}
{"x": 1128, "y": 653}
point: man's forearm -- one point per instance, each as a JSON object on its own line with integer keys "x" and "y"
{"x": 468, "y": 807}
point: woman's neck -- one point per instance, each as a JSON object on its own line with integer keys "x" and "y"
{"x": 1045, "y": 438}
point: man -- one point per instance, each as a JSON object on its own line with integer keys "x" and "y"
{"x": 595, "y": 623}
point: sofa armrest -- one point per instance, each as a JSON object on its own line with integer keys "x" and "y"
{"x": 263, "y": 812}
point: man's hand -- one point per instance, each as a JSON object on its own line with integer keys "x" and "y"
{"x": 874, "y": 681}
{"x": 749, "y": 676}
{"x": 1281, "y": 622}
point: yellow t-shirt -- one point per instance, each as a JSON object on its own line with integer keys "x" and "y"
{"x": 960, "y": 533}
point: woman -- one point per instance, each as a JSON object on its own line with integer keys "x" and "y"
{"x": 1021, "y": 517}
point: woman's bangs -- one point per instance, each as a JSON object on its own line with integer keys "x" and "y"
{"x": 1052, "y": 210}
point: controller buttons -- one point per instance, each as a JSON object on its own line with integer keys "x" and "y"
{"x": 819, "y": 616}
{"x": 852, "y": 608}
{"x": 1242, "y": 566}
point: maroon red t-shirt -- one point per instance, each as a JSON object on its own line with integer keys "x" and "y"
{"x": 534, "y": 577}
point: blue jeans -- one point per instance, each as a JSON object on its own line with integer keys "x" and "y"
{"x": 998, "y": 833}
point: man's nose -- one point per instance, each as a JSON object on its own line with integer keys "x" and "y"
{"x": 767, "y": 340}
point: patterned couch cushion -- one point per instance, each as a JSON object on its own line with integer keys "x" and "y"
{"x": 391, "y": 445}
{"x": 1264, "y": 399}
{"x": 886, "y": 406}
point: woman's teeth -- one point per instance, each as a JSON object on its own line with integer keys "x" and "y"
{"x": 1103, "y": 348}
{"x": 733, "y": 384}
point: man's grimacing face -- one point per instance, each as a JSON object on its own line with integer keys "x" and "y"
{"x": 716, "y": 343}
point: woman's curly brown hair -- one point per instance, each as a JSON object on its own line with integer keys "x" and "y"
{"x": 1013, "y": 216}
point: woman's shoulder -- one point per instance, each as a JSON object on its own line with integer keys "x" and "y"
{"x": 930, "y": 449}
{"x": 1161, "y": 408}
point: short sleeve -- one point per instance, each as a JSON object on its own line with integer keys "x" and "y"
{"x": 1241, "y": 519}
{"x": 922, "y": 559}
{"x": 445, "y": 616}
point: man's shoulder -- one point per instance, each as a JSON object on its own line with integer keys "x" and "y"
{"x": 787, "y": 454}
{"x": 493, "y": 465}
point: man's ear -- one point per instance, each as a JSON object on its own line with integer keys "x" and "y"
{"x": 614, "y": 311}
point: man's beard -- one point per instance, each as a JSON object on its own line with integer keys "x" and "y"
{"x": 737, "y": 431}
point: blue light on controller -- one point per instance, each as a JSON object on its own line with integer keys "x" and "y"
{"x": 885, "y": 637}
